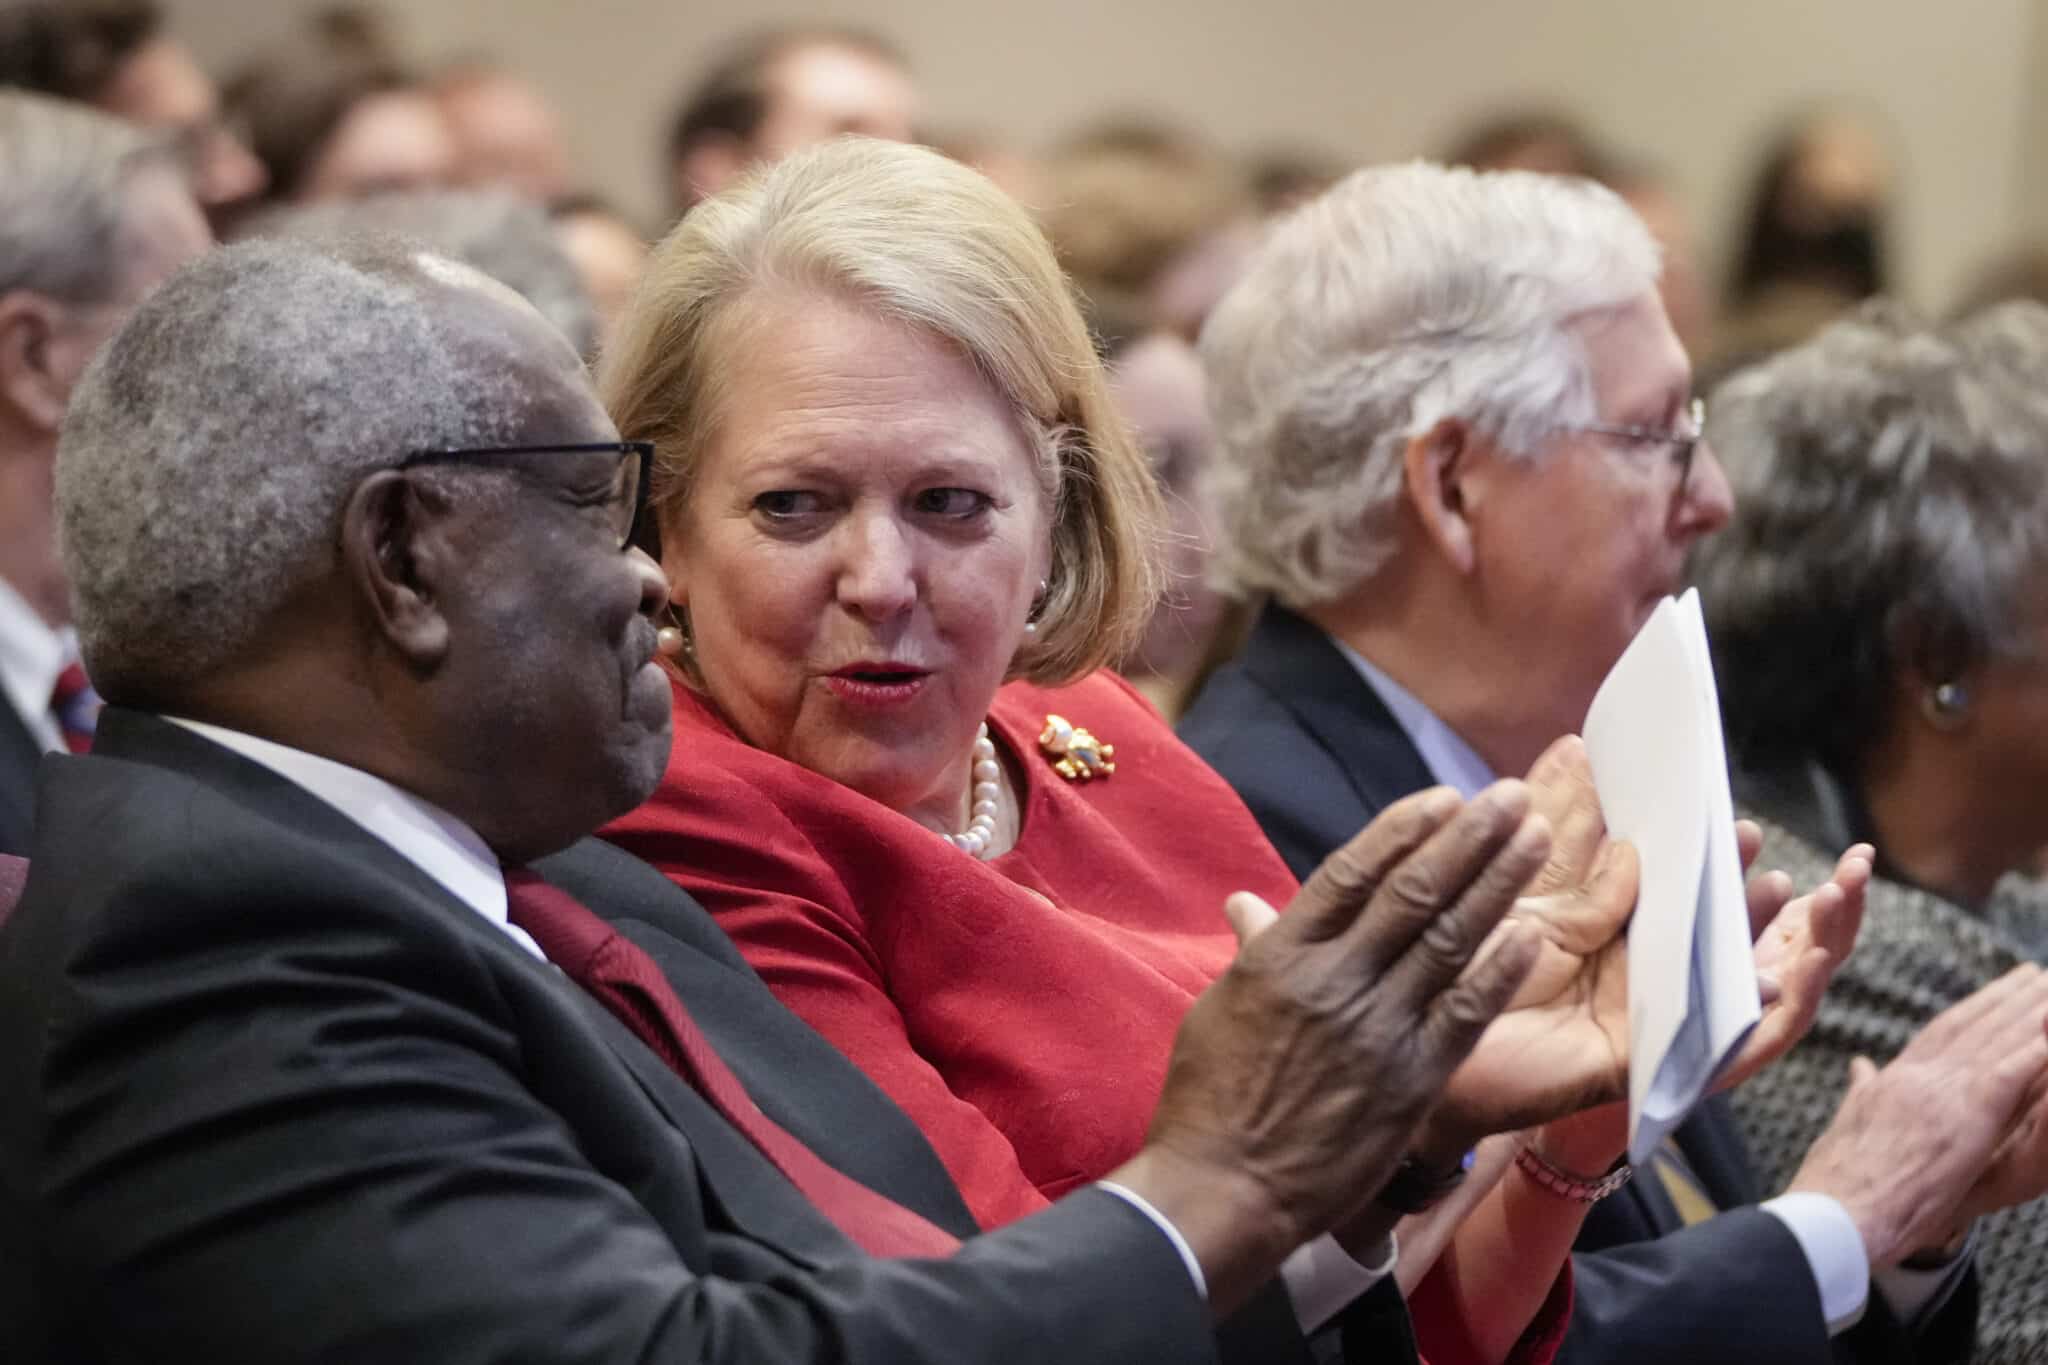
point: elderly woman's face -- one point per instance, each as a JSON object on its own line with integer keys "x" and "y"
{"x": 861, "y": 549}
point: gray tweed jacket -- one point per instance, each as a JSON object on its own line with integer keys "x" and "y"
{"x": 1917, "y": 955}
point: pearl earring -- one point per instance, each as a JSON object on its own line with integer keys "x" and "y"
{"x": 1037, "y": 605}
{"x": 672, "y": 641}
{"x": 1946, "y": 705}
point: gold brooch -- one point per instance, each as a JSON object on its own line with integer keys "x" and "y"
{"x": 1076, "y": 755}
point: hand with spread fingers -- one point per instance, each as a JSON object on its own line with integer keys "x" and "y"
{"x": 1299, "y": 1079}
{"x": 1562, "y": 1044}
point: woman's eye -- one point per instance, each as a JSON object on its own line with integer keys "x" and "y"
{"x": 956, "y": 503}
{"x": 786, "y": 504}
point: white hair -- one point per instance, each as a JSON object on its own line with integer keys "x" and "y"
{"x": 209, "y": 448}
{"x": 65, "y": 170}
{"x": 1403, "y": 296}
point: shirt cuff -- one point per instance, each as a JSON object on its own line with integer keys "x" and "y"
{"x": 1323, "y": 1279}
{"x": 1160, "y": 1221}
{"x": 1834, "y": 1252}
{"x": 1917, "y": 1295}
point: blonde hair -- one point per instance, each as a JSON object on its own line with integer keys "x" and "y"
{"x": 927, "y": 242}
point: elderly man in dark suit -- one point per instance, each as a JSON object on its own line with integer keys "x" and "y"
{"x": 94, "y": 216}
{"x": 1459, "y": 450}
{"x": 316, "y": 1050}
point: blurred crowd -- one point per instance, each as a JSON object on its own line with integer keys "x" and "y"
{"x": 1152, "y": 220}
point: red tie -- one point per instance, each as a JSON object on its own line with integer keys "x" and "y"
{"x": 628, "y": 983}
{"x": 76, "y": 708}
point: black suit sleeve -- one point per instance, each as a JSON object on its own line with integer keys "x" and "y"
{"x": 297, "y": 1131}
{"x": 1735, "y": 1287}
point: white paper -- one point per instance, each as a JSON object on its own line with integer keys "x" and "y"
{"x": 1654, "y": 740}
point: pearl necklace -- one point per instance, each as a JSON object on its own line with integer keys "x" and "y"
{"x": 979, "y": 838}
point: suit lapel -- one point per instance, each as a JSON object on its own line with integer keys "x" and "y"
{"x": 747, "y": 1188}
{"x": 752, "y": 1195}
{"x": 1296, "y": 662}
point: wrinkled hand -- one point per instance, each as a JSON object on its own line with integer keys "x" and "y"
{"x": 1914, "y": 1150}
{"x": 1562, "y": 1044}
{"x": 2018, "y": 1171}
{"x": 1300, "y": 1077}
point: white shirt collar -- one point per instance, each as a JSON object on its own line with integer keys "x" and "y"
{"x": 31, "y": 656}
{"x": 1448, "y": 757}
{"x": 423, "y": 834}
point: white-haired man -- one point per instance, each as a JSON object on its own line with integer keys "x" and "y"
{"x": 1461, "y": 454}
{"x": 93, "y": 216}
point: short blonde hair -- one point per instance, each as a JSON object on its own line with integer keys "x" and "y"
{"x": 927, "y": 242}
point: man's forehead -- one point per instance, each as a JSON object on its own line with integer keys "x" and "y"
{"x": 1632, "y": 352}
{"x": 499, "y": 329}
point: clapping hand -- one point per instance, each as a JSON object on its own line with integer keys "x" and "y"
{"x": 1300, "y": 1077}
{"x": 1562, "y": 1044}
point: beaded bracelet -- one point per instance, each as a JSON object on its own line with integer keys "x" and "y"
{"x": 1564, "y": 1184}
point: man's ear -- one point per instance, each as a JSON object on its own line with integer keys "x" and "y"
{"x": 396, "y": 557}
{"x": 1435, "y": 466}
{"x": 29, "y": 378}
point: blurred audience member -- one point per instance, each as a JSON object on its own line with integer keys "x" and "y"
{"x": 1545, "y": 140}
{"x": 1880, "y": 628}
{"x": 608, "y": 252}
{"x": 1457, "y": 444}
{"x": 497, "y": 232}
{"x": 1018, "y": 172}
{"x": 115, "y": 54}
{"x": 1156, "y": 382}
{"x": 1285, "y": 178}
{"x": 335, "y": 116}
{"x": 1813, "y": 240}
{"x": 1682, "y": 285}
{"x": 1151, "y": 221}
{"x": 506, "y": 133}
{"x": 783, "y": 89}
{"x": 95, "y": 214}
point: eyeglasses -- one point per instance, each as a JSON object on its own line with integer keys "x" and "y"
{"x": 629, "y": 491}
{"x": 1682, "y": 440}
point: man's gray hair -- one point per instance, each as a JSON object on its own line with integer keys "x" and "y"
{"x": 1891, "y": 513}
{"x": 64, "y": 174}
{"x": 502, "y": 234}
{"x": 209, "y": 449}
{"x": 1402, "y": 296}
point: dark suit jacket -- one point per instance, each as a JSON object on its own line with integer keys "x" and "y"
{"x": 270, "y": 1093}
{"x": 19, "y": 757}
{"x": 1314, "y": 752}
